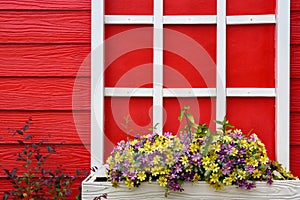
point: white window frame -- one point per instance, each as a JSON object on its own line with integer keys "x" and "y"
{"x": 221, "y": 92}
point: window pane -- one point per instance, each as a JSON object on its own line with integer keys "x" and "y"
{"x": 129, "y": 7}
{"x": 250, "y": 7}
{"x": 190, "y": 7}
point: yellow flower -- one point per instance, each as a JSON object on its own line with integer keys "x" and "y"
{"x": 214, "y": 178}
{"x": 162, "y": 180}
{"x": 214, "y": 167}
{"x": 264, "y": 159}
{"x": 227, "y": 181}
{"x": 156, "y": 160}
{"x": 206, "y": 161}
{"x": 196, "y": 178}
{"x": 227, "y": 138}
{"x": 141, "y": 176}
{"x": 133, "y": 142}
{"x": 118, "y": 157}
{"x": 216, "y": 147}
{"x": 184, "y": 160}
{"x": 129, "y": 183}
{"x": 241, "y": 175}
{"x": 256, "y": 173}
{"x": 194, "y": 147}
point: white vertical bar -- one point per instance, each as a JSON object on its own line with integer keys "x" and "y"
{"x": 97, "y": 84}
{"x": 221, "y": 60}
{"x": 158, "y": 64}
{"x": 283, "y": 83}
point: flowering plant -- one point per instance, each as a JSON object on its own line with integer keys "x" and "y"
{"x": 227, "y": 157}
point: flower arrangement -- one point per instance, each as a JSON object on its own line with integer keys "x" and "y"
{"x": 227, "y": 157}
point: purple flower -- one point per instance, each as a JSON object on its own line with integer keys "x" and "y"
{"x": 177, "y": 168}
{"x": 168, "y": 134}
{"x": 250, "y": 168}
{"x": 226, "y": 170}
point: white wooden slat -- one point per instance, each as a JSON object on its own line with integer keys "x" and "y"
{"x": 251, "y": 92}
{"x": 158, "y": 65}
{"x": 128, "y": 92}
{"x": 190, "y": 19}
{"x": 189, "y": 92}
{"x": 283, "y": 82}
{"x": 128, "y": 19}
{"x": 251, "y": 19}
{"x": 221, "y": 60}
{"x": 97, "y": 83}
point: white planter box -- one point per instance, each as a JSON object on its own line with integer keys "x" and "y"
{"x": 92, "y": 188}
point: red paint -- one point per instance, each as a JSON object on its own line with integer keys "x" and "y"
{"x": 250, "y": 7}
{"x": 203, "y": 110}
{"x": 45, "y": 27}
{"x": 251, "y": 56}
{"x": 295, "y": 61}
{"x": 44, "y": 93}
{"x": 45, "y": 60}
{"x": 129, "y": 7}
{"x": 190, "y": 7}
{"x": 295, "y": 161}
{"x": 295, "y": 27}
{"x": 254, "y": 115}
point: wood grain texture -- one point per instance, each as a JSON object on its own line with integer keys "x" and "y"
{"x": 295, "y": 160}
{"x": 71, "y": 157}
{"x": 294, "y": 129}
{"x": 45, "y": 5}
{"x": 53, "y": 127}
{"x": 44, "y": 60}
{"x": 295, "y": 5}
{"x": 294, "y": 95}
{"x": 44, "y": 94}
{"x": 295, "y": 27}
{"x": 45, "y": 27}
{"x": 201, "y": 190}
{"x": 295, "y": 61}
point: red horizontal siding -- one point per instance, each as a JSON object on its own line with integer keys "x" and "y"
{"x": 295, "y": 5}
{"x": 45, "y": 5}
{"x": 54, "y": 127}
{"x": 44, "y": 93}
{"x": 71, "y": 157}
{"x": 6, "y": 187}
{"x": 295, "y": 27}
{"x": 295, "y": 97}
{"x": 295, "y": 127}
{"x": 295, "y": 160}
{"x": 44, "y": 60}
{"x": 295, "y": 61}
{"x": 45, "y": 27}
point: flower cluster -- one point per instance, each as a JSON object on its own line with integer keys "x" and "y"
{"x": 228, "y": 157}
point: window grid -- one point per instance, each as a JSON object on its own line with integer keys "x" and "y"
{"x": 281, "y": 92}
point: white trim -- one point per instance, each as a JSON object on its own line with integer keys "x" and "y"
{"x": 221, "y": 60}
{"x": 97, "y": 83}
{"x": 283, "y": 83}
{"x": 128, "y": 19}
{"x": 158, "y": 65}
{"x": 251, "y": 92}
{"x": 128, "y": 92}
{"x": 189, "y": 92}
{"x": 190, "y": 19}
{"x": 251, "y": 19}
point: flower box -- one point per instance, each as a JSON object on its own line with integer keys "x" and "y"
{"x": 93, "y": 187}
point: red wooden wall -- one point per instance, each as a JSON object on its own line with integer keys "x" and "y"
{"x": 295, "y": 87}
{"x": 42, "y": 46}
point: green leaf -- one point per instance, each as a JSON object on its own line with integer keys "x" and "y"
{"x": 190, "y": 117}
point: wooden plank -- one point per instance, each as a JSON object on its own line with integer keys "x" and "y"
{"x": 71, "y": 157}
{"x": 295, "y": 5}
{"x": 45, "y": 5}
{"x": 44, "y": 60}
{"x": 295, "y": 27}
{"x": 295, "y": 127}
{"x": 295, "y": 161}
{"x": 295, "y": 61}
{"x": 53, "y": 127}
{"x": 45, "y": 27}
{"x": 295, "y": 97}
{"x": 201, "y": 191}
{"x": 44, "y": 93}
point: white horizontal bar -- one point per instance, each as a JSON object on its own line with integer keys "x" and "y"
{"x": 190, "y": 19}
{"x": 189, "y": 92}
{"x": 251, "y": 19}
{"x": 251, "y": 92}
{"x": 128, "y": 19}
{"x": 128, "y": 92}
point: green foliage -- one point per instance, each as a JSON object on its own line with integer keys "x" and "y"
{"x": 36, "y": 182}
